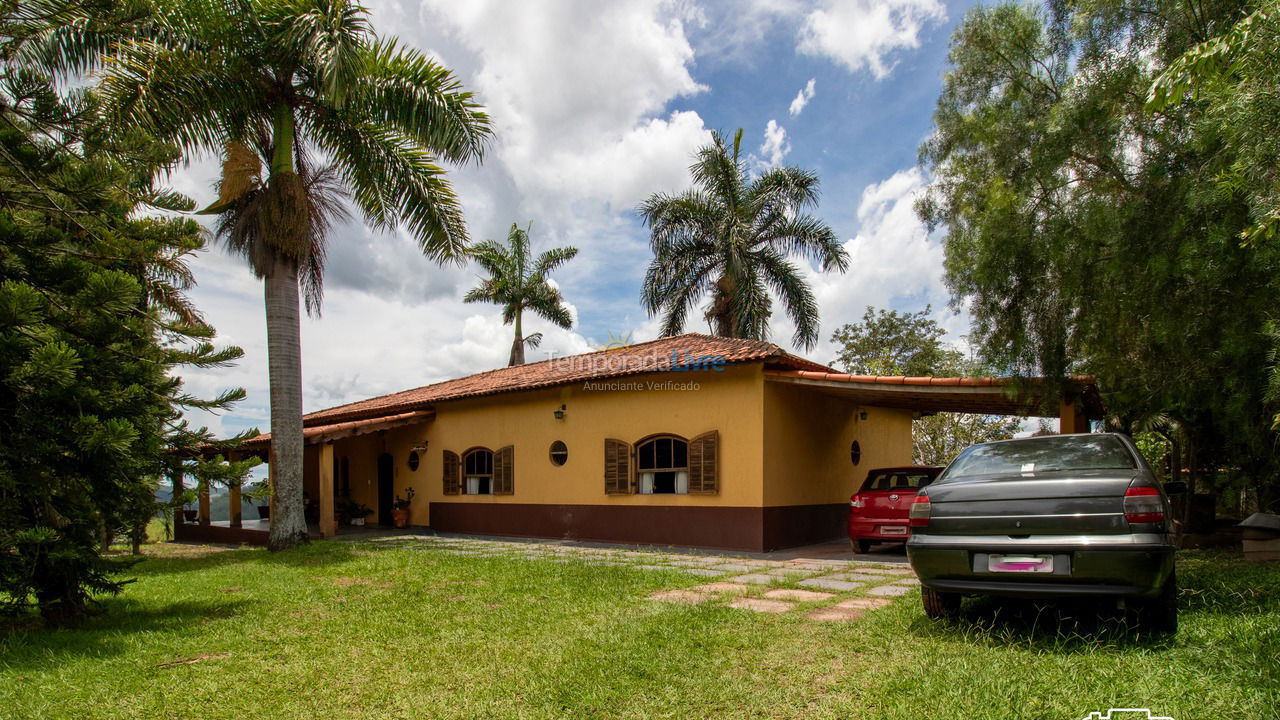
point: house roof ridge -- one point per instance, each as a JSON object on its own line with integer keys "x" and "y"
{"x": 541, "y": 375}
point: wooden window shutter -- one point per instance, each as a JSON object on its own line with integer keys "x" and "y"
{"x": 504, "y": 471}
{"x": 452, "y": 473}
{"x": 704, "y": 464}
{"x": 617, "y": 467}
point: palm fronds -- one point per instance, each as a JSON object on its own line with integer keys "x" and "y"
{"x": 729, "y": 238}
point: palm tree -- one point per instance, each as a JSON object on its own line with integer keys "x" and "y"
{"x": 729, "y": 237}
{"x": 517, "y": 285}
{"x": 267, "y": 84}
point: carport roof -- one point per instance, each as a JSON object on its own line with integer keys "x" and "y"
{"x": 984, "y": 395}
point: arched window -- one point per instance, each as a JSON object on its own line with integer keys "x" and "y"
{"x": 662, "y": 464}
{"x": 477, "y": 472}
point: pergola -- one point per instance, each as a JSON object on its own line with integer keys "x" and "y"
{"x": 1025, "y": 397}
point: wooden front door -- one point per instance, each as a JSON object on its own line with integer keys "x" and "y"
{"x": 386, "y": 488}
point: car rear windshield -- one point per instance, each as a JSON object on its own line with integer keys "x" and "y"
{"x": 1043, "y": 454}
{"x": 897, "y": 480}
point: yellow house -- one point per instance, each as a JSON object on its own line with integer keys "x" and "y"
{"x": 690, "y": 440}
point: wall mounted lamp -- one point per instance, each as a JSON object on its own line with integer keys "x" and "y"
{"x": 862, "y": 415}
{"x": 559, "y": 412}
{"x": 421, "y": 447}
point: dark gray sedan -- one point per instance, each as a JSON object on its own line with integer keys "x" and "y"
{"x": 1047, "y": 517}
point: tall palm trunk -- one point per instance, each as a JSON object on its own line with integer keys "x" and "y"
{"x": 284, "y": 356}
{"x": 720, "y": 314}
{"x": 517, "y": 347}
{"x": 284, "y": 360}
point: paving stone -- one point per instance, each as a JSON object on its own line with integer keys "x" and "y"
{"x": 828, "y": 584}
{"x": 705, "y": 572}
{"x": 907, "y": 581}
{"x": 790, "y": 572}
{"x": 722, "y": 587}
{"x": 834, "y": 614}
{"x": 760, "y": 605}
{"x": 680, "y": 596}
{"x": 734, "y": 567}
{"x": 895, "y": 570}
{"x": 889, "y": 590}
{"x": 854, "y": 577}
{"x": 653, "y": 567}
{"x": 864, "y": 603}
{"x": 757, "y": 579}
{"x": 801, "y": 595}
{"x": 807, "y": 566}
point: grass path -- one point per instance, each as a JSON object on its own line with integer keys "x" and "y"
{"x": 342, "y": 630}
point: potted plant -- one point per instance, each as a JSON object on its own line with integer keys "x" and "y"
{"x": 400, "y": 508}
{"x": 259, "y": 493}
{"x": 357, "y": 512}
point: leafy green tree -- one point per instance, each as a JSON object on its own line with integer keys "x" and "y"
{"x": 267, "y": 84}
{"x": 730, "y": 237}
{"x": 93, "y": 321}
{"x": 888, "y": 342}
{"x": 519, "y": 283}
{"x": 1235, "y": 76}
{"x": 1083, "y": 233}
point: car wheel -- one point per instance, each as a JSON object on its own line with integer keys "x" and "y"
{"x": 860, "y": 547}
{"x": 1160, "y": 614}
{"x": 939, "y": 605}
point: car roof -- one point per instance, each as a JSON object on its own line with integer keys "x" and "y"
{"x": 1037, "y": 437}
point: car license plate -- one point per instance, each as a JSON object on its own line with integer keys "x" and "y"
{"x": 1020, "y": 563}
{"x": 892, "y": 530}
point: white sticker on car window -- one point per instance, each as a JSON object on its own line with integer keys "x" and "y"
{"x": 1028, "y": 467}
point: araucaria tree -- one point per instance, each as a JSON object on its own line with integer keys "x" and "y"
{"x": 519, "y": 283}
{"x": 93, "y": 319}
{"x": 269, "y": 84}
{"x": 1086, "y": 234}
{"x": 731, "y": 238}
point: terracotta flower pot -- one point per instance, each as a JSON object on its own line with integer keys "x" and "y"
{"x": 400, "y": 518}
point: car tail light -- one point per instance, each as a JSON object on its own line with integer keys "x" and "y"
{"x": 920, "y": 511}
{"x": 1143, "y": 505}
{"x": 857, "y": 501}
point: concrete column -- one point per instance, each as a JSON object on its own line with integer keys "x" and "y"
{"x": 234, "y": 499}
{"x": 324, "y": 488}
{"x": 203, "y": 493}
{"x": 1071, "y": 418}
{"x": 176, "y": 476}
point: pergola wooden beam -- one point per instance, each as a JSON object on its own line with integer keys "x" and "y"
{"x": 1079, "y": 404}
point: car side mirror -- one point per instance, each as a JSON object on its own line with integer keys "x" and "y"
{"x": 1177, "y": 487}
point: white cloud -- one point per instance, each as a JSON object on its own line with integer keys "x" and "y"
{"x": 893, "y": 264}
{"x": 577, "y": 92}
{"x": 862, "y": 34}
{"x": 774, "y": 148}
{"x": 802, "y": 98}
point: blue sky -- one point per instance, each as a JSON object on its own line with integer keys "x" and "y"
{"x": 596, "y": 105}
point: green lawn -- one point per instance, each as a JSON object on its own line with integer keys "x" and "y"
{"x": 339, "y": 630}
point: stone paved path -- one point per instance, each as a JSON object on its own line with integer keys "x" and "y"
{"x": 822, "y": 590}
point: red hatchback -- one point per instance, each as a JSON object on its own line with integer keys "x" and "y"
{"x": 878, "y": 510}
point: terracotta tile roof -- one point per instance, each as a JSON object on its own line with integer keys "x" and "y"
{"x": 927, "y": 380}
{"x": 993, "y": 395}
{"x": 321, "y": 433}
{"x": 646, "y": 357}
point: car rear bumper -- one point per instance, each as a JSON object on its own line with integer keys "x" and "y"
{"x": 883, "y": 529}
{"x": 1126, "y": 565}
